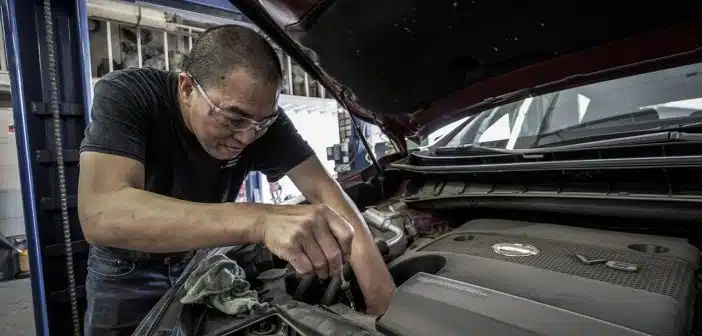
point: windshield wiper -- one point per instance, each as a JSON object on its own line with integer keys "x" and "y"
{"x": 689, "y": 132}
{"x": 648, "y": 138}
{"x": 615, "y": 127}
{"x": 617, "y": 120}
{"x": 683, "y": 127}
{"x": 668, "y": 133}
{"x": 473, "y": 149}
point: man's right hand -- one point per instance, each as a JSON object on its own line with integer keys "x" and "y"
{"x": 312, "y": 238}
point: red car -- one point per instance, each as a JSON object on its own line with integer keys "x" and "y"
{"x": 567, "y": 201}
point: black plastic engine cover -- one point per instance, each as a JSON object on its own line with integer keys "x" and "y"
{"x": 450, "y": 307}
{"x": 556, "y": 282}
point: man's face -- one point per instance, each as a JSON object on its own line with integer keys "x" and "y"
{"x": 227, "y": 117}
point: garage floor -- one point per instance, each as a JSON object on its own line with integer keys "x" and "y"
{"x": 16, "y": 313}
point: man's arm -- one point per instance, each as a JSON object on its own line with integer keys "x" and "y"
{"x": 373, "y": 276}
{"x": 115, "y": 211}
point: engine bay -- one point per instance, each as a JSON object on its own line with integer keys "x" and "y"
{"x": 481, "y": 276}
{"x": 519, "y": 278}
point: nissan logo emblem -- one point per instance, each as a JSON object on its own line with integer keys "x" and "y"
{"x": 515, "y": 249}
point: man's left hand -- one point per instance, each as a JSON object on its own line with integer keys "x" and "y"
{"x": 372, "y": 274}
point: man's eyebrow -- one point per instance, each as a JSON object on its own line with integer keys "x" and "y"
{"x": 237, "y": 111}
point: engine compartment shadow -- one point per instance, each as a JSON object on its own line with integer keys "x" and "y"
{"x": 405, "y": 269}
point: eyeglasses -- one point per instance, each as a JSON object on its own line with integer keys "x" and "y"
{"x": 231, "y": 120}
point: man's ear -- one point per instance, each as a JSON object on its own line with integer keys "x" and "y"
{"x": 278, "y": 92}
{"x": 186, "y": 87}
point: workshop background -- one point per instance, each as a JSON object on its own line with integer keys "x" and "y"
{"x": 124, "y": 35}
{"x": 114, "y": 27}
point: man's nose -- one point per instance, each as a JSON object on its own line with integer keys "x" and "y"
{"x": 245, "y": 137}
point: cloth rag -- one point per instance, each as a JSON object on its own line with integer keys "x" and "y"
{"x": 220, "y": 283}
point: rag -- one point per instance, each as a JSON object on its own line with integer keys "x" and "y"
{"x": 220, "y": 283}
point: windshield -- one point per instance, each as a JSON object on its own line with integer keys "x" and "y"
{"x": 648, "y": 101}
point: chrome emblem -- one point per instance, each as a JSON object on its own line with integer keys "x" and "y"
{"x": 515, "y": 249}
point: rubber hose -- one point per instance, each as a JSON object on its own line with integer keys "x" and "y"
{"x": 304, "y": 285}
{"x": 333, "y": 288}
{"x": 335, "y": 283}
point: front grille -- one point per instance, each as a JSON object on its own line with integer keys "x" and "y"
{"x": 656, "y": 274}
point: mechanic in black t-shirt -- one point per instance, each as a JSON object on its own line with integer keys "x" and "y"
{"x": 164, "y": 158}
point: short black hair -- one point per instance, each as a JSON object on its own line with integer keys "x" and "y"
{"x": 221, "y": 49}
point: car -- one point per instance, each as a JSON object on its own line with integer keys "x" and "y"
{"x": 565, "y": 202}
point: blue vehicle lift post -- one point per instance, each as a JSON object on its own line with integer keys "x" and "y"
{"x": 26, "y": 39}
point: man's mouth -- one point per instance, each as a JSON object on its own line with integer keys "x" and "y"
{"x": 231, "y": 149}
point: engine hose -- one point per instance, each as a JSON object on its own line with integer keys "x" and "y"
{"x": 302, "y": 288}
{"x": 333, "y": 288}
{"x": 60, "y": 167}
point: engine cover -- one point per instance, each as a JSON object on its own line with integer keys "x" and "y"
{"x": 505, "y": 277}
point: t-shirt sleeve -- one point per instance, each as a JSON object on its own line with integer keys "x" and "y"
{"x": 279, "y": 150}
{"x": 118, "y": 125}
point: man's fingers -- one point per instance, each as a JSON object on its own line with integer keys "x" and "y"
{"x": 330, "y": 247}
{"x": 313, "y": 242}
{"x": 301, "y": 263}
{"x": 341, "y": 229}
{"x": 316, "y": 256}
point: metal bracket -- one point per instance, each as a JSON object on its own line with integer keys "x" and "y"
{"x": 65, "y": 109}
{"x": 587, "y": 261}
{"x": 46, "y": 156}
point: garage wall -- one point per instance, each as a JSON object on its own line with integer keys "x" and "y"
{"x": 320, "y": 130}
{"x": 11, "y": 215}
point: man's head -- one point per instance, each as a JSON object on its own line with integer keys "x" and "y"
{"x": 228, "y": 90}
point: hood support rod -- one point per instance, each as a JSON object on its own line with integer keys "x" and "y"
{"x": 359, "y": 133}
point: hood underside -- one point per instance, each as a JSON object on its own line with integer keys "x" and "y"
{"x": 415, "y": 64}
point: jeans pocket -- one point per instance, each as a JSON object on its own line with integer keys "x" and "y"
{"x": 105, "y": 266}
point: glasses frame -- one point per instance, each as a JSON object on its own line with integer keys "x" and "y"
{"x": 258, "y": 126}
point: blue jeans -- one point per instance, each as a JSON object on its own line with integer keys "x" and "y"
{"x": 120, "y": 291}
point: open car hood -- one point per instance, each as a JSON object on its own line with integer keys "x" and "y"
{"x": 412, "y": 66}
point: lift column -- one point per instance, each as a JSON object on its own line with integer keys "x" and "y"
{"x": 42, "y": 90}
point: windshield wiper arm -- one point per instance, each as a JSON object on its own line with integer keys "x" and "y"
{"x": 473, "y": 149}
{"x": 674, "y": 133}
{"x": 615, "y": 120}
{"x": 657, "y": 137}
{"x": 682, "y": 127}
{"x": 691, "y": 131}
{"x": 613, "y": 127}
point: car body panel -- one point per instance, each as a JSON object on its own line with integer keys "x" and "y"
{"x": 414, "y": 66}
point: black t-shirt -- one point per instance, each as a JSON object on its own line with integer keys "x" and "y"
{"x": 136, "y": 114}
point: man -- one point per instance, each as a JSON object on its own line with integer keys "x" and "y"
{"x": 164, "y": 157}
